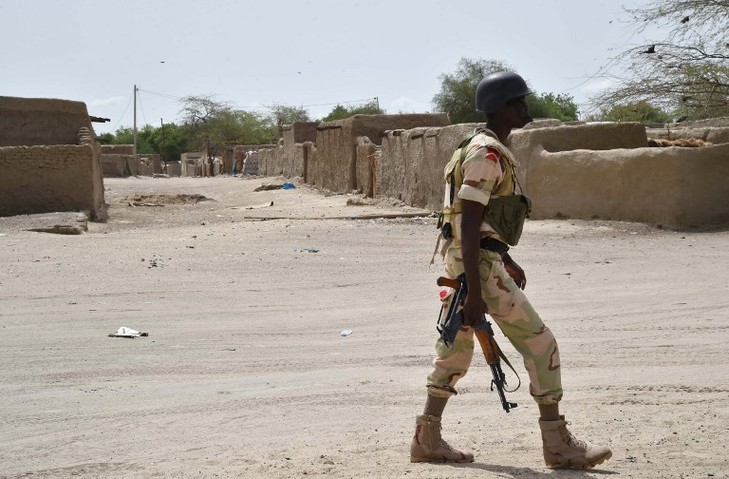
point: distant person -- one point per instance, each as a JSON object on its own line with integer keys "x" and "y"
{"x": 474, "y": 177}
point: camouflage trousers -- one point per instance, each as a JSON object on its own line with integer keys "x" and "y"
{"x": 516, "y": 318}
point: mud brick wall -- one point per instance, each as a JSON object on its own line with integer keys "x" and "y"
{"x": 41, "y": 179}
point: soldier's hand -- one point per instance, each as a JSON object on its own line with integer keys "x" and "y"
{"x": 474, "y": 308}
{"x": 515, "y": 271}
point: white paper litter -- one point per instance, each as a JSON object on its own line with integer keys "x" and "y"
{"x": 124, "y": 332}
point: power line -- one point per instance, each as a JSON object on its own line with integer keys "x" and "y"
{"x": 139, "y": 98}
{"x": 122, "y": 115}
{"x": 263, "y": 107}
{"x": 163, "y": 95}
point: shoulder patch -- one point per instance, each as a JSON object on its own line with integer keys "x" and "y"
{"x": 492, "y": 155}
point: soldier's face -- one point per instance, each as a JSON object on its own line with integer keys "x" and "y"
{"x": 520, "y": 112}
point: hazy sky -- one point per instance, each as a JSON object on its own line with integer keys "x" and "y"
{"x": 313, "y": 54}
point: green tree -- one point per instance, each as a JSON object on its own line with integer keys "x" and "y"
{"x": 285, "y": 115}
{"x": 105, "y": 138}
{"x": 683, "y": 68}
{"x": 641, "y": 111}
{"x": 168, "y": 140}
{"x": 458, "y": 89}
{"x": 548, "y": 105}
{"x": 457, "y": 95}
{"x": 208, "y": 124}
{"x": 340, "y": 112}
{"x": 256, "y": 128}
{"x": 125, "y": 136}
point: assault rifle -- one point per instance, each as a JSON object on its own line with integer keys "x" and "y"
{"x": 484, "y": 333}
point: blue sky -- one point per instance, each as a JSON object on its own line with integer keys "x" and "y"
{"x": 313, "y": 54}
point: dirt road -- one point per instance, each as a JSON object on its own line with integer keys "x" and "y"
{"x": 246, "y": 373}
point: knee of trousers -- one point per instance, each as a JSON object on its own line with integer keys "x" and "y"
{"x": 450, "y": 365}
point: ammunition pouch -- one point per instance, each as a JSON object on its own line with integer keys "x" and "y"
{"x": 506, "y": 215}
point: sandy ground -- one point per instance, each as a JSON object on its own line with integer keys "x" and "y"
{"x": 245, "y": 373}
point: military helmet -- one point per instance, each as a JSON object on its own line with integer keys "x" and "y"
{"x": 495, "y": 90}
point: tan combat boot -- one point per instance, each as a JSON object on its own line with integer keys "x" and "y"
{"x": 563, "y": 450}
{"x": 428, "y": 446}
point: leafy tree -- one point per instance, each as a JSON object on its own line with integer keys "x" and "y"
{"x": 207, "y": 123}
{"x": 105, "y": 138}
{"x": 168, "y": 140}
{"x": 686, "y": 69}
{"x": 256, "y": 129}
{"x": 340, "y": 112}
{"x": 125, "y": 136}
{"x": 458, "y": 89}
{"x": 548, "y": 105}
{"x": 640, "y": 111}
{"x": 285, "y": 115}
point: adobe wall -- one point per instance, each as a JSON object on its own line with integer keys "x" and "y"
{"x": 117, "y": 149}
{"x": 173, "y": 169}
{"x": 150, "y": 164}
{"x": 240, "y": 152}
{"x": 588, "y": 136}
{"x": 334, "y": 166}
{"x": 49, "y": 158}
{"x": 674, "y": 186}
{"x": 367, "y": 160}
{"x": 118, "y": 165}
{"x": 715, "y": 134}
{"x": 300, "y": 132}
{"x": 581, "y": 171}
{"x": 250, "y": 167}
{"x": 41, "y": 121}
{"x": 294, "y": 136}
{"x": 412, "y": 162}
{"x": 191, "y": 163}
{"x": 42, "y": 179}
{"x": 271, "y": 161}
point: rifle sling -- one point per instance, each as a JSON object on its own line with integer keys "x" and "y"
{"x": 501, "y": 355}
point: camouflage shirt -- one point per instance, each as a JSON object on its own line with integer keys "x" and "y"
{"x": 487, "y": 170}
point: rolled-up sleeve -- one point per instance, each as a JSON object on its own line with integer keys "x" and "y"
{"x": 481, "y": 171}
{"x": 471, "y": 193}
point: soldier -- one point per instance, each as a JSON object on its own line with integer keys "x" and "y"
{"x": 480, "y": 171}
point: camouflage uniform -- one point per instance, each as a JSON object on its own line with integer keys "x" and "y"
{"x": 488, "y": 170}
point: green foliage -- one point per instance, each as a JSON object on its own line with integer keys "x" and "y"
{"x": 285, "y": 115}
{"x": 125, "y": 136}
{"x": 207, "y": 123}
{"x": 340, "y": 112}
{"x": 458, "y": 91}
{"x": 210, "y": 125}
{"x": 169, "y": 142}
{"x": 457, "y": 95}
{"x": 256, "y": 128}
{"x": 105, "y": 138}
{"x": 548, "y": 105}
{"x": 641, "y": 111}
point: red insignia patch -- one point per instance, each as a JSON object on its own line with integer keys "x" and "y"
{"x": 492, "y": 155}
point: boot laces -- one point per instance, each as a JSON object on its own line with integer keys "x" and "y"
{"x": 442, "y": 441}
{"x": 572, "y": 440}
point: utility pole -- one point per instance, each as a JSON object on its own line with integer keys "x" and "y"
{"x": 162, "y": 146}
{"x": 134, "y": 150}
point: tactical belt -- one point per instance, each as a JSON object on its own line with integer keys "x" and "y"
{"x": 494, "y": 245}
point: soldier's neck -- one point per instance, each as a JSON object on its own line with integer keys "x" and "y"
{"x": 502, "y": 132}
